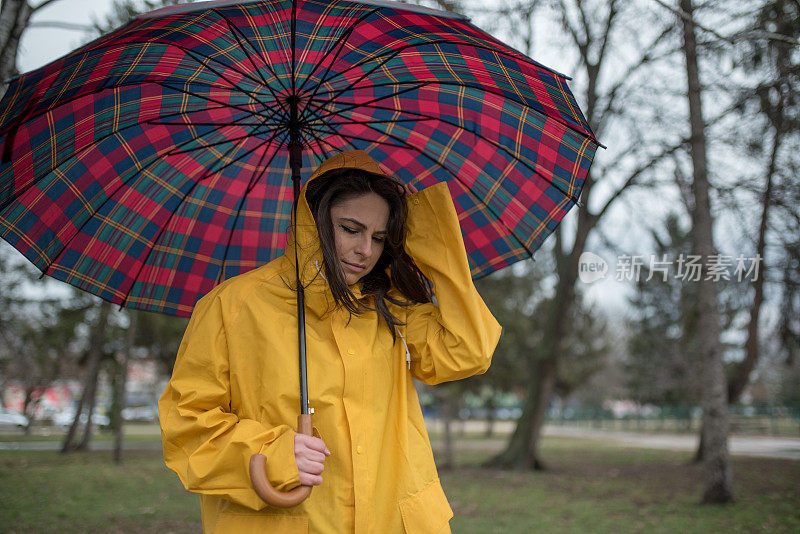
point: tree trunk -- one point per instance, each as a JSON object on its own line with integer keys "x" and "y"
{"x": 490, "y": 408}
{"x": 515, "y": 456}
{"x": 719, "y": 479}
{"x": 698, "y": 454}
{"x": 119, "y": 390}
{"x": 90, "y": 380}
{"x": 14, "y": 18}
{"x": 522, "y": 451}
{"x": 741, "y": 376}
{"x": 447, "y": 403}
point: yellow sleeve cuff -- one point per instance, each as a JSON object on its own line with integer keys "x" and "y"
{"x": 281, "y": 465}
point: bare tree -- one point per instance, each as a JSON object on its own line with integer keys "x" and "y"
{"x": 775, "y": 99}
{"x": 95, "y": 356}
{"x": 591, "y": 26}
{"x": 120, "y": 382}
{"x": 15, "y": 18}
{"x": 719, "y": 478}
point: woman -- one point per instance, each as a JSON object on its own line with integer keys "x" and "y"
{"x": 370, "y": 328}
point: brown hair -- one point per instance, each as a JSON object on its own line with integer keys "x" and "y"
{"x": 403, "y": 275}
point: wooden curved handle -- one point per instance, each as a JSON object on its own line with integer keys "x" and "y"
{"x": 258, "y": 475}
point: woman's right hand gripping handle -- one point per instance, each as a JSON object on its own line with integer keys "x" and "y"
{"x": 309, "y": 453}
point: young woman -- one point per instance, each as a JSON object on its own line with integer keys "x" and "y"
{"x": 371, "y": 325}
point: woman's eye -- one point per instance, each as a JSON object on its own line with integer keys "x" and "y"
{"x": 379, "y": 240}
{"x": 349, "y": 230}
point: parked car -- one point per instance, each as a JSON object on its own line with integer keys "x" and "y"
{"x": 64, "y": 419}
{"x": 13, "y": 419}
{"x": 140, "y": 413}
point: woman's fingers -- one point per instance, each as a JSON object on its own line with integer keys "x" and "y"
{"x": 310, "y": 480}
{"x": 309, "y": 454}
{"x": 312, "y": 442}
{"x": 313, "y": 468}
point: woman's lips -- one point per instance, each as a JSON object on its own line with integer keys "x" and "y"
{"x": 354, "y": 267}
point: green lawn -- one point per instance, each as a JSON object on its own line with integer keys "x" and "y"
{"x": 590, "y": 487}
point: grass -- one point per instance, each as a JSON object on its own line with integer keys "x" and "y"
{"x": 591, "y": 486}
{"x": 45, "y": 491}
{"x": 595, "y": 487}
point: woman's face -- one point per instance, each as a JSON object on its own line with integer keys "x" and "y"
{"x": 359, "y": 227}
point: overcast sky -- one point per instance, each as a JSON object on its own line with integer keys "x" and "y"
{"x": 42, "y": 45}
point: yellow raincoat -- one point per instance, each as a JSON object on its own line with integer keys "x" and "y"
{"x": 235, "y": 386}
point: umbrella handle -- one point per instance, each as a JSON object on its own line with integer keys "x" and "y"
{"x": 261, "y": 484}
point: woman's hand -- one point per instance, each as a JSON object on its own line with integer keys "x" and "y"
{"x": 310, "y": 454}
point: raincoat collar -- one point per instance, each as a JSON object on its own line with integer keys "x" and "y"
{"x": 309, "y": 253}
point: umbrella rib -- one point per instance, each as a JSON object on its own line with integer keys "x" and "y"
{"x": 117, "y": 86}
{"x": 173, "y": 212}
{"x": 238, "y": 34}
{"x": 253, "y": 181}
{"x": 194, "y": 55}
{"x": 189, "y": 123}
{"x": 241, "y": 39}
{"x": 420, "y": 84}
{"x": 387, "y": 121}
{"x": 524, "y": 161}
{"x": 189, "y": 112}
{"x": 477, "y": 198}
{"x": 233, "y": 85}
{"x": 363, "y": 76}
{"x": 385, "y": 57}
{"x": 153, "y": 159}
{"x": 340, "y": 41}
{"x": 368, "y": 102}
{"x": 95, "y": 142}
{"x": 218, "y": 143}
{"x": 209, "y": 99}
{"x": 311, "y": 128}
{"x": 293, "y": 42}
{"x": 319, "y": 141}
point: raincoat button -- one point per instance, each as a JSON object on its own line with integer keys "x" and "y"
{"x": 416, "y": 201}
{"x": 359, "y": 449}
{"x": 350, "y": 351}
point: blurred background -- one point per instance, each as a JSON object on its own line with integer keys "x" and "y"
{"x": 624, "y": 348}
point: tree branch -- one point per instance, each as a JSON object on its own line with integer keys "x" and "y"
{"x": 612, "y": 11}
{"x": 735, "y": 37}
{"x": 631, "y": 180}
{"x": 46, "y": 3}
{"x": 643, "y": 60}
{"x": 61, "y": 25}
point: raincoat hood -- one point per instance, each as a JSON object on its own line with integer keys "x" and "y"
{"x": 309, "y": 252}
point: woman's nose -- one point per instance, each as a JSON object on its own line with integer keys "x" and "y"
{"x": 364, "y": 247}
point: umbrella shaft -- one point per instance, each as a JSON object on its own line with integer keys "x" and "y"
{"x": 295, "y": 161}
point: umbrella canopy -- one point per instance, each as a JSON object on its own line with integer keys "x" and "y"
{"x": 153, "y": 163}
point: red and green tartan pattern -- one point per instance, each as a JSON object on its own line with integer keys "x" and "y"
{"x": 152, "y": 163}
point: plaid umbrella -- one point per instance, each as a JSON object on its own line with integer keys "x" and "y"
{"x": 156, "y": 161}
{"x": 153, "y": 163}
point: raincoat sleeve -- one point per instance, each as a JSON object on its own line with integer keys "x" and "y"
{"x": 455, "y": 337}
{"x": 207, "y": 445}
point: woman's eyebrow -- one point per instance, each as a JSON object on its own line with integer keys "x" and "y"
{"x": 360, "y": 224}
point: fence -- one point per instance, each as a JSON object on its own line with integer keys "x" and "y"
{"x": 759, "y": 419}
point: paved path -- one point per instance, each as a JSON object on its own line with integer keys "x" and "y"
{"x": 760, "y": 446}
{"x": 56, "y": 446}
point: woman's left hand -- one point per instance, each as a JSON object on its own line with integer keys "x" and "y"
{"x": 309, "y": 454}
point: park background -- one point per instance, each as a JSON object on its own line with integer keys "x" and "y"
{"x": 621, "y": 341}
